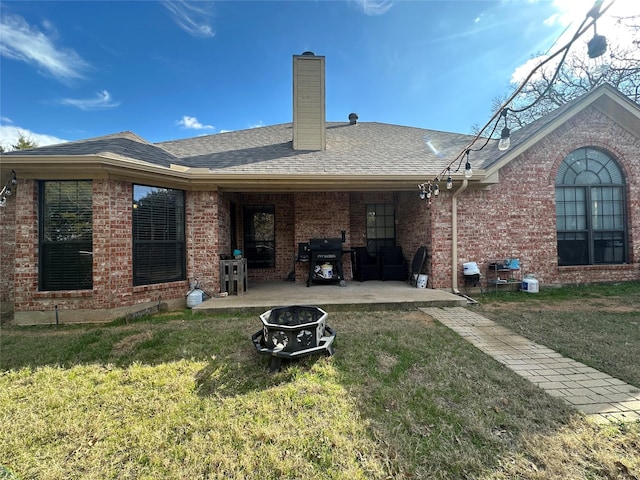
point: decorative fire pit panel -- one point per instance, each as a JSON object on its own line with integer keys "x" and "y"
{"x": 295, "y": 331}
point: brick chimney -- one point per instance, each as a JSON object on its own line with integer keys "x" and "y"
{"x": 309, "y": 132}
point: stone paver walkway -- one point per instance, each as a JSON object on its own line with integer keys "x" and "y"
{"x": 601, "y": 397}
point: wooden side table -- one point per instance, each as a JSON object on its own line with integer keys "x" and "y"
{"x": 233, "y": 276}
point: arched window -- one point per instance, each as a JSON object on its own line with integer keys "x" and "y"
{"x": 590, "y": 209}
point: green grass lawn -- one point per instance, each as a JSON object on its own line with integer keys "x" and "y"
{"x": 183, "y": 396}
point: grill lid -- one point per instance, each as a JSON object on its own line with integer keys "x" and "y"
{"x": 325, "y": 244}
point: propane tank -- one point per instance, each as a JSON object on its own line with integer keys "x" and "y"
{"x": 194, "y": 297}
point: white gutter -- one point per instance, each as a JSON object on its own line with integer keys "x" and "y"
{"x": 454, "y": 236}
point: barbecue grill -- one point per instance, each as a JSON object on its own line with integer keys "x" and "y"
{"x": 325, "y": 261}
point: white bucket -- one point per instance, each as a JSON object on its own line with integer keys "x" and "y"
{"x": 194, "y": 298}
{"x": 327, "y": 270}
{"x": 470, "y": 268}
{"x": 530, "y": 285}
{"x": 422, "y": 281}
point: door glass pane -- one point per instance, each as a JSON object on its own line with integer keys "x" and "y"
{"x": 380, "y": 226}
{"x": 259, "y": 235}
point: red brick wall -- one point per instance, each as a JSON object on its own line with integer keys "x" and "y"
{"x": 207, "y": 232}
{"x": 413, "y": 226}
{"x": 26, "y": 246}
{"x": 516, "y": 218}
{"x": 8, "y": 261}
{"x": 441, "y": 235}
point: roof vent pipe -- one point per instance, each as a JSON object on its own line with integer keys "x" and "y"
{"x": 353, "y": 118}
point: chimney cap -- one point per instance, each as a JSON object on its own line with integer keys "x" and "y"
{"x": 353, "y": 118}
{"x": 309, "y": 53}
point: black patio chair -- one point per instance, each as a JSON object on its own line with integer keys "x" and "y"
{"x": 392, "y": 264}
{"x": 366, "y": 266}
{"x": 417, "y": 264}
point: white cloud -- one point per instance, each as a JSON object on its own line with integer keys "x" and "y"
{"x": 194, "y": 17}
{"x": 193, "y": 123}
{"x": 374, "y": 7}
{"x": 9, "y": 135}
{"x": 25, "y": 43}
{"x": 100, "y": 102}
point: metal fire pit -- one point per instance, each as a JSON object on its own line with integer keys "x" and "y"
{"x": 292, "y": 332}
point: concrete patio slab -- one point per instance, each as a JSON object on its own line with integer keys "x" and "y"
{"x": 261, "y": 296}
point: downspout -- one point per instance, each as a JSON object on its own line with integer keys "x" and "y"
{"x": 454, "y": 236}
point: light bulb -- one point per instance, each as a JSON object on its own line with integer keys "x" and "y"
{"x": 467, "y": 170}
{"x": 596, "y": 46}
{"x": 8, "y": 192}
{"x": 3, "y": 201}
{"x": 422, "y": 195}
{"x": 504, "y": 142}
{"x": 436, "y": 190}
{"x": 449, "y": 183}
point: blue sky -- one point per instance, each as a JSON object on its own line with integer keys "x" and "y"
{"x": 167, "y": 70}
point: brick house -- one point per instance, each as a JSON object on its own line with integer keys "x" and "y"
{"x": 108, "y": 225}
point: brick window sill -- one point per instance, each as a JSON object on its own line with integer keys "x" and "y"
{"x": 63, "y": 294}
{"x": 600, "y": 267}
{"x": 161, "y": 286}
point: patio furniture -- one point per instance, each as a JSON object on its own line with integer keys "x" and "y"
{"x": 417, "y": 264}
{"x": 366, "y": 265}
{"x": 392, "y": 264}
{"x": 233, "y": 276}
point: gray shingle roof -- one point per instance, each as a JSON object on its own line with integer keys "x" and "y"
{"x": 126, "y": 144}
{"x": 361, "y": 149}
{"x": 368, "y": 148}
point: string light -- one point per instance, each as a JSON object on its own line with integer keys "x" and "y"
{"x": 504, "y": 142}
{"x": 596, "y": 47}
{"x": 468, "y": 173}
{"x": 7, "y": 190}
